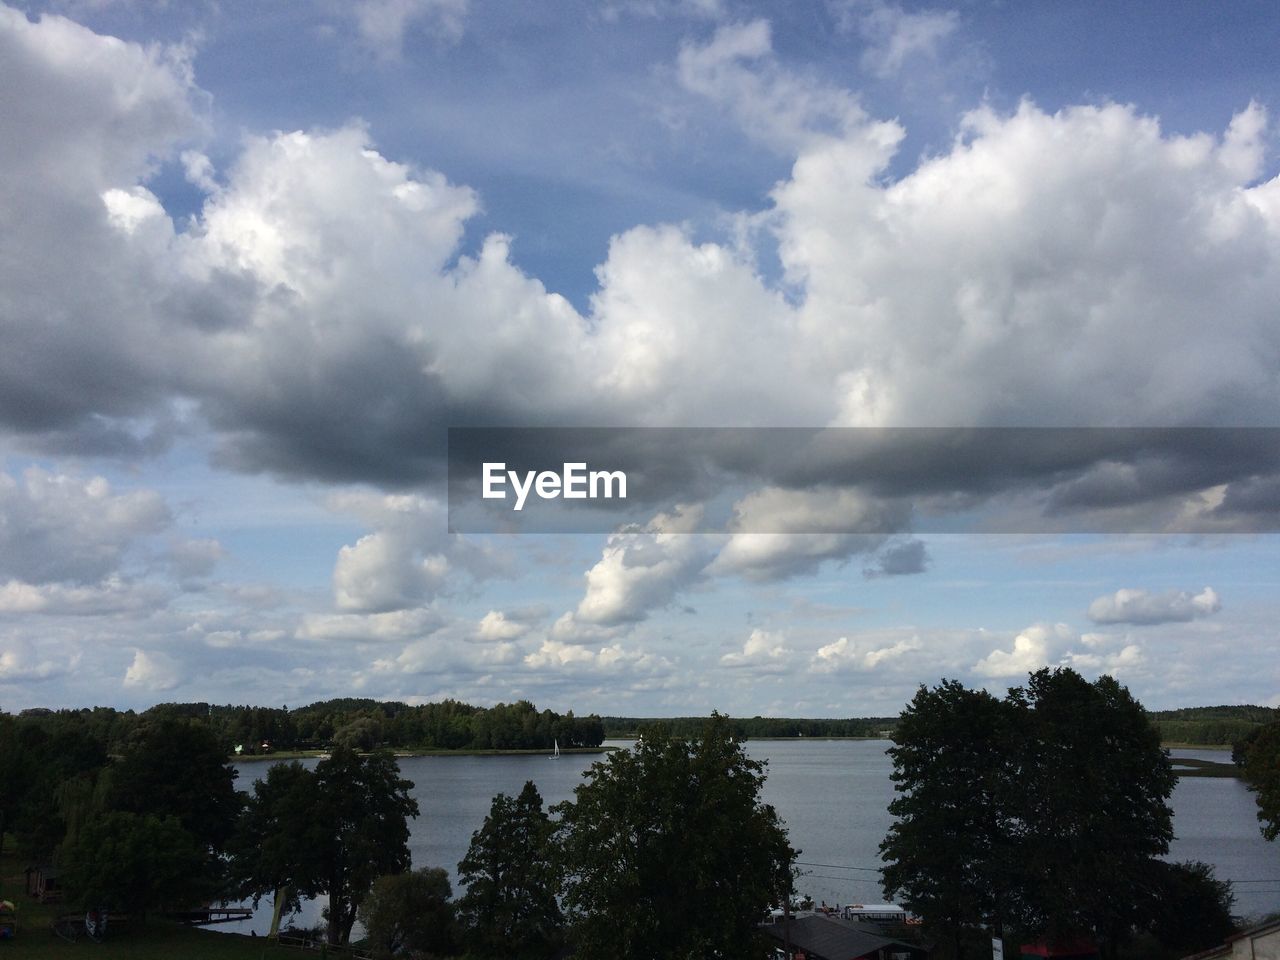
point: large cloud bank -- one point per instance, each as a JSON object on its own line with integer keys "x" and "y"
{"x": 321, "y": 315}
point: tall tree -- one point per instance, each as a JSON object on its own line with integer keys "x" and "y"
{"x": 1045, "y": 809}
{"x": 44, "y": 761}
{"x": 510, "y": 907}
{"x": 333, "y": 831}
{"x": 179, "y": 768}
{"x": 952, "y": 848}
{"x": 1095, "y": 786}
{"x": 669, "y": 851}
{"x": 278, "y": 843}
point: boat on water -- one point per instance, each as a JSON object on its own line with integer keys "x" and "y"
{"x": 556, "y": 754}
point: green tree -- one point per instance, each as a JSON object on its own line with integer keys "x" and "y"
{"x": 1189, "y": 909}
{"x": 1093, "y": 802}
{"x": 136, "y": 863}
{"x": 510, "y": 907}
{"x": 44, "y": 760}
{"x": 669, "y": 852}
{"x": 332, "y": 832}
{"x": 409, "y": 914}
{"x": 1044, "y": 810}
{"x": 362, "y": 733}
{"x": 19, "y": 769}
{"x": 1261, "y": 761}
{"x": 951, "y": 851}
{"x": 278, "y": 842}
{"x": 176, "y": 767}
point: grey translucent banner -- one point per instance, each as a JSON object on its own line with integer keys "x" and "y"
{"x": 865, "y": 481}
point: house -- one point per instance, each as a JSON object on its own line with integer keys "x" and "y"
{"x": 1257, "y": 943}
{"x": 834, "y": 938}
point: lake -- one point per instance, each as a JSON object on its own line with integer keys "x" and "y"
{"x": 833, "y": 795}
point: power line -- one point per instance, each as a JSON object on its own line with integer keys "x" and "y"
{"x": 838, "y": 866}
{"x": 826, "y": 876}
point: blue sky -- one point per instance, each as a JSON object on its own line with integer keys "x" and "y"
{"x": 256, "y": 258}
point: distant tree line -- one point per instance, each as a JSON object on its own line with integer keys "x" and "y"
{"x": 749, "y": 728}
{"x": 359, "y": 723}
{"x": 1214, "y": 726}
{"x": 1208, "y": 726}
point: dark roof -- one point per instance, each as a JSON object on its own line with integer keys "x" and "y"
{"x": 832, "y": 938}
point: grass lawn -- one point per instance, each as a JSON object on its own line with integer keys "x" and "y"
{"x": 154, "y": 940}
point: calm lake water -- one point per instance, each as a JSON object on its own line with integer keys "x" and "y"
{"x": 833, "y": 795}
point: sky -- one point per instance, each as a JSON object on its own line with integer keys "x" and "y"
{"x": 256, "y": 259}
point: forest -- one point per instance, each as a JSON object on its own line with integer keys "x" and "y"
{"x": 360, "y": 723}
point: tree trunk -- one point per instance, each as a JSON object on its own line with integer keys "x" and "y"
{"x": 282, "y": 894}
{"x": 348, "y": 922}
{"x": 333, "y": 932}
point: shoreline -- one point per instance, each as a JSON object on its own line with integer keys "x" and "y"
{"x": 405, "y": 753}
{"x": 535, "y": 751}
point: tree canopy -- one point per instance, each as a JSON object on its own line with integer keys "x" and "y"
{"x": 409, "y": 914}
{"x": 136, "y": 863}
{"x": 510, "y": 908}
{"x": 1044, "y": 810}
{"x": 1189, "y": 908}
{"x": 951, "y": 850}
{"x": 174, "y": 767}
{"x": 669, "y": 851}
{"x": 1260, "y": 758}
{"x": 331, "y": 831}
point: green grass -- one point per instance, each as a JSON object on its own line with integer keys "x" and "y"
{"x": 155, "y": 940}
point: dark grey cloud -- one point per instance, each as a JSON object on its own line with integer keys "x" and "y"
{"x": 886, "y": 480}
{"x": 899, "y": 559}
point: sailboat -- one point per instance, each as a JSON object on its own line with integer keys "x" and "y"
{"x": 556, "y": 755}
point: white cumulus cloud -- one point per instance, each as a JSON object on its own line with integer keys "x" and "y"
{"x": 1035, "y": 647}
{"x": 152, "y": 671}
{"x": 1141, "y": 607}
